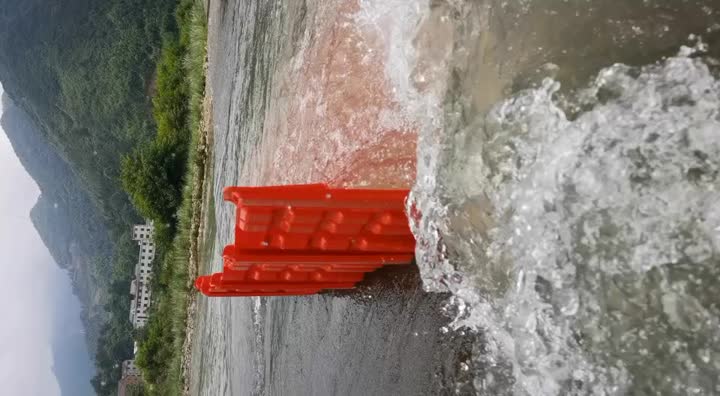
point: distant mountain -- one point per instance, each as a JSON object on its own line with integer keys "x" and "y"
{"x": 64, "y": 216}
{"x": 71, "y": 364}
{"x": 72, "y": 374}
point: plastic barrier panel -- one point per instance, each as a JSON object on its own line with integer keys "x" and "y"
{"x": 302, "y": 239}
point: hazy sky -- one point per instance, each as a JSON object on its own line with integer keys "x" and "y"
{"x": 28, "y": 275}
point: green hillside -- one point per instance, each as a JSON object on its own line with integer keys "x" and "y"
{"x": 83, "y": 70}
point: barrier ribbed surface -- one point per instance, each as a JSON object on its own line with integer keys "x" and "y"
{"x": 302, "y": 239}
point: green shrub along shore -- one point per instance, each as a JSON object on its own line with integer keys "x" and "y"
{"x": 160, "y": 179}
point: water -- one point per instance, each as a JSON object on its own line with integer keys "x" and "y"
{"x": 564, "y": 157}
{"x": 389, "y": 337}
{"x": 588, "y": 249}
{"x": 576, "y": 224}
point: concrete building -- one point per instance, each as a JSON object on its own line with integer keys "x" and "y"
{"x": 143, "y": 232}
{"x": 140, "y": 286}
{"x": 131, "y": 382}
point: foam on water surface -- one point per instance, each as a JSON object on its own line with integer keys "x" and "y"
{"x": 339, "y": 122}
{"x": 580, "y": 235}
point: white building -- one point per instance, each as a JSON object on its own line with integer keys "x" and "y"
{"x": 140, "y": 286}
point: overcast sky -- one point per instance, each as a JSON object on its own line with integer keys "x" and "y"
{"x": 28, "y": 276}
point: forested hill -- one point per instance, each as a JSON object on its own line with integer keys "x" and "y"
{"x": 66, "y": 220}
{"x": 82, "y": 70}
{"x": 79, "y": 80}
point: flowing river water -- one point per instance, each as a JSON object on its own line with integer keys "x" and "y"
{"x": 565, "y": 157}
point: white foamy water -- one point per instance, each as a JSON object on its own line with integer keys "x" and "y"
{"x": 581, "y": 236}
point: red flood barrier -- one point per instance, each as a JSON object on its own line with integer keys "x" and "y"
{"x": 303, "y": 239}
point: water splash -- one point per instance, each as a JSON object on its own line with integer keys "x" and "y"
{"x": 581, "y": 235}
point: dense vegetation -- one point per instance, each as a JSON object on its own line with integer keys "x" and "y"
{"x": 158, "y": 178}
{"x": 166, "y": 195}
{"x": 153, "y": 175}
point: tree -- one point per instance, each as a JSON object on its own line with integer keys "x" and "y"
{"x": 153, "y": 179}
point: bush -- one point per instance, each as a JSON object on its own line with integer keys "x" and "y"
{"x": 153, "y": 174}
{"x": 153, "y": 177}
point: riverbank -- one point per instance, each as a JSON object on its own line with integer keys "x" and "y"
{"x": 199, "y": 226}
{"x": 202, "y": 222}
{"x": 164, "y": 341}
